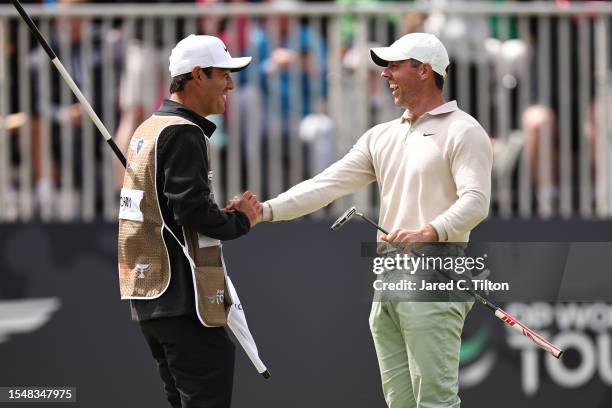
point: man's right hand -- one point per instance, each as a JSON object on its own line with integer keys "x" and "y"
{"x": 247, "y": 204}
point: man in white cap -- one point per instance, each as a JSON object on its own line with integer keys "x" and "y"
{"x": 433, "y": 167}
{"x": 170, "y": 228}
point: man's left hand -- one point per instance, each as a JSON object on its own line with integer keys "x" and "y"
{"x": 405, "y": 236}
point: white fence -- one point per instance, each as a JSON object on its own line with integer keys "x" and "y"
{"x": 536, "y": 76}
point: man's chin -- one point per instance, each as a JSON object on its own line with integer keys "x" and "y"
{"x": 399, "y": 103}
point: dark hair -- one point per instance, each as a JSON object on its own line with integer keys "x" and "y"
{"x": 439, "y": 79}
{"x": 179, "y": 81}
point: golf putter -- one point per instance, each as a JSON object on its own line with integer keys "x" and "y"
{"x": 348, "y": 214}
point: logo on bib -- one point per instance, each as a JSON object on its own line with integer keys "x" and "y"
{"x": 218, "y": 298}
{"x": 137, "y": 144}
{"x": 141, "y": 268}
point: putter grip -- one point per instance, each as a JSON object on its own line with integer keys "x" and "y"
{"x": 527, "y": 332}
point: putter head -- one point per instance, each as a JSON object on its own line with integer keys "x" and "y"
{"x": 348, "y": 214}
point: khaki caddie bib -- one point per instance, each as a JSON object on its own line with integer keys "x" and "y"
{"x": 144, "y": 267}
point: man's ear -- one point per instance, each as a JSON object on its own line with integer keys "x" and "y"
{"x": 426, "y": 71}
{"x": 197, "y": 73}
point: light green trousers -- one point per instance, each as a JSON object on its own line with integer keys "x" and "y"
{"x": 417, "y": 345}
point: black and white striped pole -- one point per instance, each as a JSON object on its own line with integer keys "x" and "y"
{"x": 68, "y": 79}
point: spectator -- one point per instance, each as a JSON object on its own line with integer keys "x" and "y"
{"x": 275, "y": 65}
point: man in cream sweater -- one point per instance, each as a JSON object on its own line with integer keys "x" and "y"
{"x": 433, "y": 167}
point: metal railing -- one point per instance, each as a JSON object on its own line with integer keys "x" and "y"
{"x": 536, "y": 76}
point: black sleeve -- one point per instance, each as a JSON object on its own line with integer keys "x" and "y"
{"x": 183, "y": 168}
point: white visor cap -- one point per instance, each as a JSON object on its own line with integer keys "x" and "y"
{"x": 203, "y": 51}
{"x": 422, "y": 47}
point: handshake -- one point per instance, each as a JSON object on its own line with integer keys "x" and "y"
{"x": 248, "y": 205}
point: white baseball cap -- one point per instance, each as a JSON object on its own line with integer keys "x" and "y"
{"x": 422, "y": 47}
{"x": 203, "y": 51}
